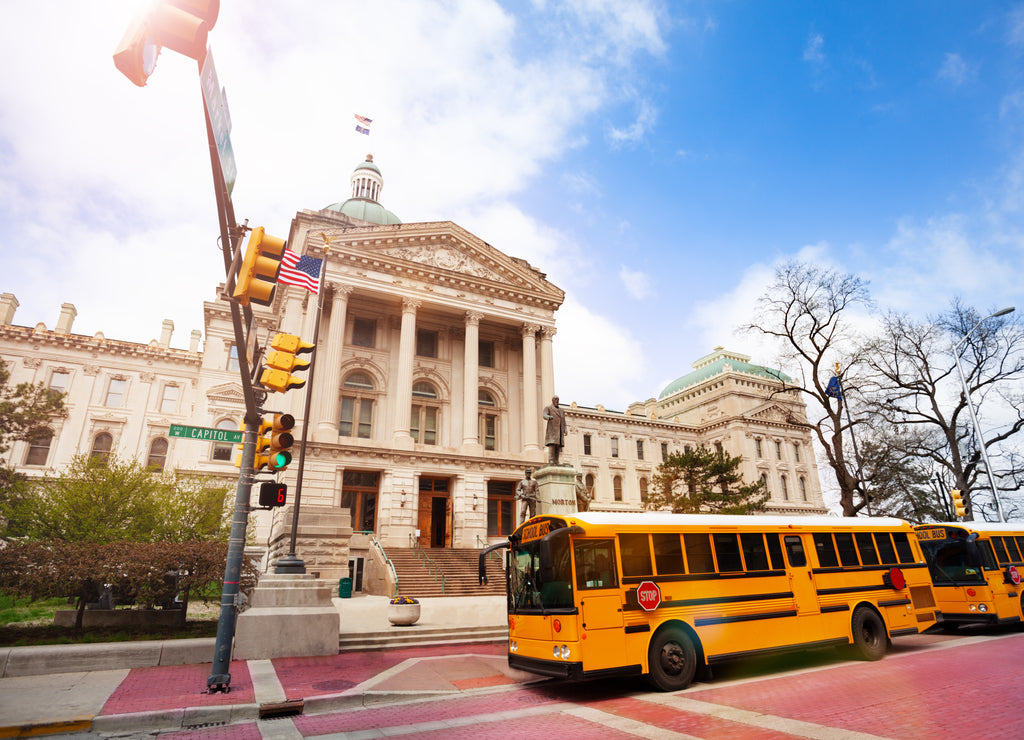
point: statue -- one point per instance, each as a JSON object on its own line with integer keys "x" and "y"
{"x": 528, "y": 492}
{"x": 554, "y": 430}
{"x": 582, "y": 496}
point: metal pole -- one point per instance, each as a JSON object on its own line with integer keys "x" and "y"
{"x": 292, "y": 563}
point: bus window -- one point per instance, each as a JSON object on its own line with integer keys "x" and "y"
{"x": 885, "y": 549}
{"x": 847, "y": 551}
{"x": 636, "y": 555}
{"x": 595, "y": 564}
{"x": 698, "y": 553}
{"x": 775, "y": 551}
{"x": 754, "y": 554}
{"x": 1020, "y": 544}
{"x": 866, "y": 548}
{"x": 668, "y": 554}
{"x": 727, "y": 548}
{"x": 903, "y": 550}
{"x": 795, "y": 551}
{"x": 950, "y": 560}
{"x": 826, "y": 550}
{"x": 988, "y": 557}
{"x": 1011, "y": 549}
{"x": 1001, "y": 555}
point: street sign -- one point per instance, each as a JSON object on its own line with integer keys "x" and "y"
{"x": 207, "y": 434}
{"x": 648, "y": 595}
{"x": 220, "y": 119}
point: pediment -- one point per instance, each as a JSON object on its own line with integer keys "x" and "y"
{"x": 226, "y": 393}
{"x": 775, "y": 412}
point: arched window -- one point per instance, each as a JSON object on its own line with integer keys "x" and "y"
{"x": 224, "y": 451}
{"x": 488, "y": 423}
{"x": 803, "y": 489}
{"x": 39, "y": 448}
{"x": 588, "y": 481}
{"x": 785, "y": 489}
{"x": 617, "y": 487}
{"x": 425, "y": 412}
{"x": 357, "y": 406}
{"x": 101, "y": 445}
{"x": 157, "y": 453}
{"x": 764, "y": 482}
{"x": 643, "y": 489}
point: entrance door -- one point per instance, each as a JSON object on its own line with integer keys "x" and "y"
{"x": 434, "y": 517}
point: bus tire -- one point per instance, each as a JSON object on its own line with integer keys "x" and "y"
{"x": 671, "y": 660}
{"x": 870, "y": 640}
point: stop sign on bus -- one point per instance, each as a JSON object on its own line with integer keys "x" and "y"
{"x": 648, "y": 595}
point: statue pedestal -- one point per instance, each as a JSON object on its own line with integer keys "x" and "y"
{"x": 557, "y": 488}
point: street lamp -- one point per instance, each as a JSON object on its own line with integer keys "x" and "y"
{"x": 970, "y": 408}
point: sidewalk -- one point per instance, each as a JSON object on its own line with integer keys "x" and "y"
{"x": 169, "y": 697}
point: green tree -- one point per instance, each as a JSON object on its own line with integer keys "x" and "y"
{"x": 109, "y": 499}
{"x": 703, "y": 481}
{"x": 26, "y": 411}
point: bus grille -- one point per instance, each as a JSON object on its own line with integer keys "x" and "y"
{"x": 922, "y": 596}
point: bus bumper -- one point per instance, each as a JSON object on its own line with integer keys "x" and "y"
{"x": 540, "y": 666}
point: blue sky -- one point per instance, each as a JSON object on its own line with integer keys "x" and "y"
{"x": 656, "y": 159}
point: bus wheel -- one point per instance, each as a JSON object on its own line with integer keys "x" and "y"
{"x": 672, "y": 660}
{"x": 869, "y": 638}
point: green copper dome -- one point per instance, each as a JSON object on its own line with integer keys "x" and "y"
{"x": 715, "y": 364}
{"x": 367, "y": 182}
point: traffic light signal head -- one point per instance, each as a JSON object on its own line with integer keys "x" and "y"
{"x": 281, "y": 440}
{"x": 273, "y": 494}
{"x": 959, "y": 508}
{"x": 257, "y": 278}
{"x": 180, "y": 25}
{"x": 282, "y": 361}
{"x": 262, "y": 459}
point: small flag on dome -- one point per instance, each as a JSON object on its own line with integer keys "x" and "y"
{"x": 365, "y": 127}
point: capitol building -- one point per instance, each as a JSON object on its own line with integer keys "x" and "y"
{"x": 435, "y": 358}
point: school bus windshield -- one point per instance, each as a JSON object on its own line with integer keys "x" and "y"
{"x": 540, "y": 575}
{"x": 952, "y": 560}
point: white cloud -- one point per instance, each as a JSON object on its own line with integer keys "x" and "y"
{"x": 646, "y": 117}
{"x": 814, "y": 49}
{"x": 635, "y": 282}
{"x": 955, "y": 70}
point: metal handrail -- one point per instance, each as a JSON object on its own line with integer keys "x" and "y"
{"x": 481, "y": 544}
{"x": 414, "y": 545}
{"x": 387, "y": 560}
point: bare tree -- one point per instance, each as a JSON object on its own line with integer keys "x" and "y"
{"x": 913, "y": 384}
{"x": 807, "y": 309}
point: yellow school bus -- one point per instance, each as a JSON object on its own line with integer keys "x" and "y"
{"x": 597, "y": 594}
{"x": 975, "y": 569}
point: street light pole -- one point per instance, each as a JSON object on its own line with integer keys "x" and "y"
{"x": 970, "y": 408}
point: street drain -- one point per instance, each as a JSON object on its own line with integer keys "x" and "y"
{"x": 290, "y": 708}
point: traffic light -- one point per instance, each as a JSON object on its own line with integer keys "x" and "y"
{"x": 262, "y": 459}
{"x": 241, "y": 447}
{"x": 257, "y": 279}
{"x": 958, "y": 502}
{"x": 281, "y": 440}
{"x": 282, "y": 361}
{"x": 180, "y": 25}
{"x": 273, "y": 494}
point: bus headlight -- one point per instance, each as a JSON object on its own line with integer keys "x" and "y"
{"x": 982, "y": 608}
{"x": 560, "y": 651}
{"x": 513, "y": 647}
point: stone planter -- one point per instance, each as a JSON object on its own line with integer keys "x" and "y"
{"x": 403, "y": 614}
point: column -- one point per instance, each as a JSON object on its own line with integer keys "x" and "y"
{"x": 547, "y": 364}
{"x": 328, "y": 367}
{"x": 406, "y": 353}
{"x": 531, "y": 417}
{"x": 471, "y": 380}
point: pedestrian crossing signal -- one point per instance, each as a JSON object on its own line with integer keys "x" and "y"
{"x": 273, "y": 494}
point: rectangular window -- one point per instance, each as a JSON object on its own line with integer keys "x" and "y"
{"x": 364, "y": 332}
{"x": 485, "y": 353}
{"x": 489, "y": 431}
{"x": 796, "y": 452}
{"x": 795, "y": 551}
{"x": 115, "y": 392}
{"x": 1001, "y": 555}
{"x": 847, "y": 550}
{"x": 636, "y": 555}
{"x": 755, "y": 556}
{"x": 639, "y": 449}
{"x": 1011, "y": 550}
{"x": 615, "y": 446}
{"x": 233, "y": 366}
{"x": 169, "y": 400}
{"x": 586, "y": 444}
{"x": 59, "y": 381}
{"x": 595, "y": 564}
{"x": 500, "y": 508}
{"x": 424, "y": 424}
{"x": 350, "y": 425}
{"x": 39, "y": 448}
{"x": 775, "y": 551}
{"x": 727, "y": 550}
{"x": 778, "y": 450}
{"x": 698, "y": 553}
{"x": 866, "y": 548}
{"x": 426, "y": 343}
{"x": 903, "y": 549}
{"x": 757, "y": 447}
{"x": 826, "y": 549}
{"x": 668, "y": 554}
{"x": 664, "y": 451}
{"x": 883, "y": 543}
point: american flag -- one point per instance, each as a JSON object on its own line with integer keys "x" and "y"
{"x": 301, "y": 271}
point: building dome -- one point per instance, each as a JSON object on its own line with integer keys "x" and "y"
{"x": 367, "y": 183}
{"x": 718, "y": 362}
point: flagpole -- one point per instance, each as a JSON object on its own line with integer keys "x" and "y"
{"x": 853, "y": 438}
{"x": 292, "y": 563}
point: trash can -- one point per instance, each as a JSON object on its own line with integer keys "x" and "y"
{"x": 345, "y": 588}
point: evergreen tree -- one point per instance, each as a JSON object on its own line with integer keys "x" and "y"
{"x": 703, "y": 481}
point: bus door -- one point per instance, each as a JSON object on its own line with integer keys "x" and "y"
{"x": 600, "y": 603}
{"x": 801, "y": 579}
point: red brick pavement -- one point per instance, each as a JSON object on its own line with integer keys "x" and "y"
{"x": 690, "y": 723}
{"x": 173, "y": 687}
{"x": 243, "y": 731}
{"x": 941, "y": 693}
{"x": 544, "y": 725}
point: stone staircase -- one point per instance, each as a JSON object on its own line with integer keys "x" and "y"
{"x": 419, "y": 577}
{"x": 405, "y": 636}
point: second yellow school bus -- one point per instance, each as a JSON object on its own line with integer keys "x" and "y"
{"x": 976, "y": 570}
{"x": 599, "y": 594}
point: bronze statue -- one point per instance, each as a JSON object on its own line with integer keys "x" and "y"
{"x": 528, "y": 492}
{"x": 582, "y": 495}
{"x": 554, "y": 430}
